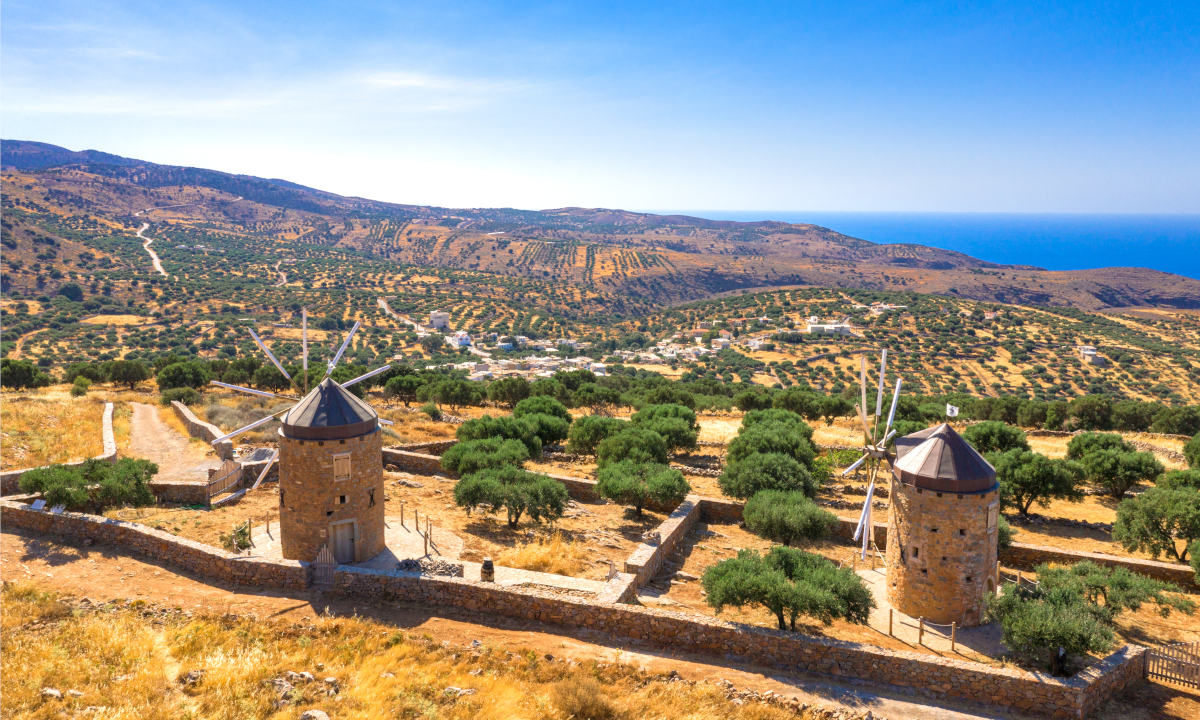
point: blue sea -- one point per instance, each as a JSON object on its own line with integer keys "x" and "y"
{"x": 1170, "y": 243}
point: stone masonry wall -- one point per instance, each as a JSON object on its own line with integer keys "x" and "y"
{"x": 192, "y": 556}
{"x": 941, "y": 559}
{"x": 1027, "y": 556}
{"x": 207, "y": 432}
{"x": 647, "y": 558}
{"x": 926, "y": 674}
{"x": 312, "y": 502}
{"x": 10, "y": 481}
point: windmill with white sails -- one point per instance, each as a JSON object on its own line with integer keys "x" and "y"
{"x": 300, "y": 390}
{"x": 875, "y": 444}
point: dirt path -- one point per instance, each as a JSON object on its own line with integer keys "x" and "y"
{"x": 101, "y": 573}
{"x": 178, "y": 458}
{"x": 19, "y": 347}
{"x": 158, "y": 267}
{"x": 282, "y": 275}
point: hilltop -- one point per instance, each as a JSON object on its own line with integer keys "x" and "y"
{"x": 617, "y": 261}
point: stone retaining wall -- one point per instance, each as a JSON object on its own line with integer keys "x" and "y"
{"x": 646, "y": 559}
{"x": 188, "y": 555}
{"x": 796, "y": 652}
{"x": 414, "y": 462}
{"x": 180, "y": 492}
{"x": 434, "y": 447}
{"x": 927, "y": 675}
{"x": 1027, "y": 556}
{"x": 207, "y": 432}
{"x": 10, "y": 481}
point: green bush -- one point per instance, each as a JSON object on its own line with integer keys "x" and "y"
{"x": 79, "y": 388}
{"x": 471, "y": 456}
{"x": 513, "y": 490}
{"x": 632, "y": 443}
{"x": 550, "y": 429}
{"x": 787, "y": 517}
{"x": 1191, "y": 451}
{"x": 1179, "y": 479}
{"x": 1117, "y": 472}
{"x": 777, "y": 416}
{"x": 543, "y": 404}
{"x": 59, "y": 485}
{"x": 674, "y": 430}
{"x": 766, "y": 471}
{"x": 771, "y": 438}
{"x": 510, "y": 428}
{"x": 588, "y": 431}
{"x": 94, "y": 485}
{"x": 432, "y": 410}
{"x": 191, "y": 374}
{"x": 1089, "y": 442}
{"x": 185, "y": 395}
{"x": 789, "y": 583}
{"x": 20, "y": 374}
{"x": 650, "y": 413}
{"x": 639, "y": 484}
{"x": 992, "y": 436}
{"x": 1004, "y": 536}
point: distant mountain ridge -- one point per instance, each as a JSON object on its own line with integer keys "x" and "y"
{"x": 660, "y": 259}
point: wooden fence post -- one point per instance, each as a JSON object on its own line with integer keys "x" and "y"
{"x": 891, "y": 612}
{"x": 953, "y": 636}
{"x": 921, "y": 633}
{"x": 402, "y": 515}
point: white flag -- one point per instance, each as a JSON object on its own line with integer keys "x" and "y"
{"x": 951, "y": 411}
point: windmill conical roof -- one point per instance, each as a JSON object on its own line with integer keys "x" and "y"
{"x": 329, "y": 412}
{"x": 940, "y": 459}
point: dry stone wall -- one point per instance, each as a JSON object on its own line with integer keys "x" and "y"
{"x": 1027, "y": 556}
{"x": 647, "y": 558}
{"x": 925, "y": 674}
{"x": 188, "y": 555}
{"x": 207, "y": 432}
{"x": 10, "y": 482}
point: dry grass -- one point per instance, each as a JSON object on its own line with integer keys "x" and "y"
{"x": 39, "y": 429}
{"x": 129, "y": 660}
{"x": 116, "y": 320}
{"x": 207, "y": 525}
{"x": 553, "y": 554}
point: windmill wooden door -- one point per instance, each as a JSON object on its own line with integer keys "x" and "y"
{"x": 343, "y": 541}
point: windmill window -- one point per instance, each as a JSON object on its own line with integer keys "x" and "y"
{"x": 341, "y": 499}
{"x": 371, "y": 497}
{"x": 341, "y": 467}
{"x": 970, "y": 579}
{"x": 916, "y": 552}
{"x": 924, "y": 571}
{"x": 962, "y": 531}
{"x": 939, "y": 494}
{"x": 933, "y": 529}
{"x": 328, "y": 513}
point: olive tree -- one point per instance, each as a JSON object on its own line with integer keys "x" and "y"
{"x": 1162, "y": 520}
{"x": 1027, "y": 478}
{"x": 588, "y": 431}
{"x": 789, "y": 583}
{"x": 471, "y": 456}
{"x": 516, "y": 491}
{"x": 639, "y": 484}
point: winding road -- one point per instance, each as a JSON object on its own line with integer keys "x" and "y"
{"x": 146, "y": 246}
{"x": 282, "y": 275}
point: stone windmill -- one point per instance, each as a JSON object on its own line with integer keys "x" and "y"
{"x": 330, "y": 463}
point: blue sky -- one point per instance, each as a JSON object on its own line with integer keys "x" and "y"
{"x": 1088, "y": 107}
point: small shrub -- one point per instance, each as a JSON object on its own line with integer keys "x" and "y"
{"x": 432, "y": 410}
{"x": 185, "y": 395}
{"x": 787, "y": 517}
{"x": 237, "y": 539}
{"x": 509, "y": 428}
{"x": 766, "y": 471}
{"x": 632, "y": 443}
{"x": 589, "y": 431}
{"x": 543, "y": 404}
{"x": 79, "y": 388}
{"x": 550, "y": 429}
{"x": 582, "y": 698}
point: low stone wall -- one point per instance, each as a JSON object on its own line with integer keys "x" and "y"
{"x": 796, "y": 652}
{"x": 414, "y": 462}
{"x": 927, "y": 675}
{"x": 180, "y": 492}
{"x": 646, "y": 559}
{"x": 1027, "y": 556}
{"x": 192, "y": 556}
{"x": 10, "y": 481}
{"x": 434, "y": 447}
{"x": 207, "y": 432}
